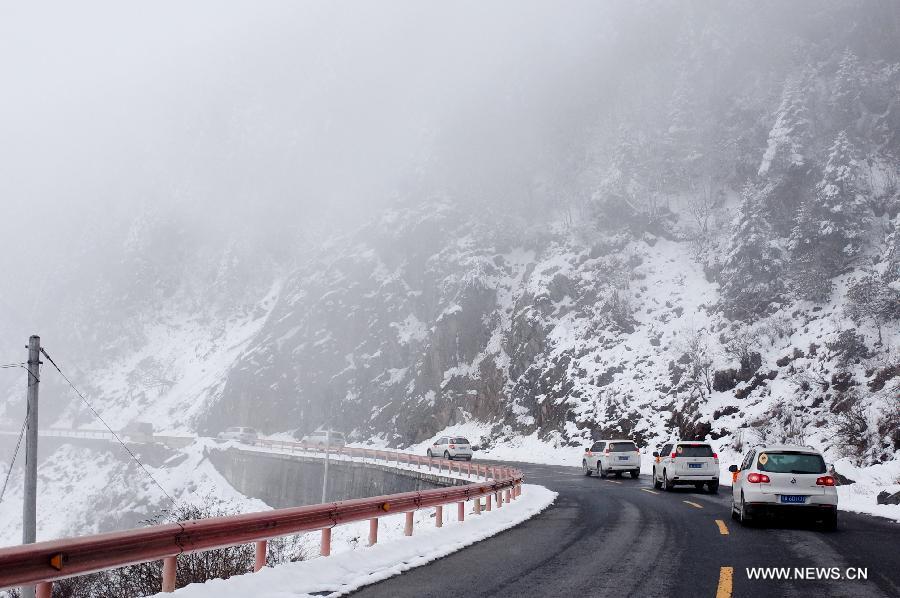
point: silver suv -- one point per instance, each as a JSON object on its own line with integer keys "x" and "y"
{"x": 241, "y": 434}
{"x": 784, "y": 479}
{"x": 681, "y": 463}
{"x": 612, "y": 456}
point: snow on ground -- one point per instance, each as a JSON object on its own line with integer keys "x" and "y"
{"x": 352, "y": 565}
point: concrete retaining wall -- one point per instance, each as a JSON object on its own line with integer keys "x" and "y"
{"x": 293, "y": 480}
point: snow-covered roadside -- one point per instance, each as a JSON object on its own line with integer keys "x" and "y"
{"x": 355, "y": 566}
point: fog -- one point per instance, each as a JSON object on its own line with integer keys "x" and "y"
{"x": 300, "y": 119}
{"x": 235, "y": 111}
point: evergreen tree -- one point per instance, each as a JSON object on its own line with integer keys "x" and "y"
{"x": 849, "y": 80}
{"x": 785, "y": 163}
{"x": 830, "y": 227}
{"x": 753, "y": 263}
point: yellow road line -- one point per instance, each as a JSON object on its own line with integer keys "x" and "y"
{"x": 613, "y": 482}
{"x": 723, "y": 529}
{"x": 725, "y": 576}
{"x": 649, "y": 490}
{"x": 693, "y": 504}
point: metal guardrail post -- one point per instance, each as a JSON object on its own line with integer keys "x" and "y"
{"x": 325, "y": 549}
{"x": 373, "y": 531}
{"x": 261, "y": 548}
{"x": 43, "y": 590}
{"x": 408, "y": 527}
{"x": 439, "y": 516}
{"x": 170, "y": 568}
{"x": 461, "y": 511}
{"x": 487, "y": 506}
{"x": 478, "y": 506}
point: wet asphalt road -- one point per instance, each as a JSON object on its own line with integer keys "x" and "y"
{"x": 620, "y": 537}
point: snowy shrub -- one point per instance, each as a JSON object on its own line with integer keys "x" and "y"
{"x": 849, "y": 347}
{"x": 851, "y": 428}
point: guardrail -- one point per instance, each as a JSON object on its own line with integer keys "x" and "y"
{"x": 44, "y": 562}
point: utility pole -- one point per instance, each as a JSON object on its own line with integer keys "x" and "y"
{"x": 327, "y": 452}
{"x": 29, "y": 505}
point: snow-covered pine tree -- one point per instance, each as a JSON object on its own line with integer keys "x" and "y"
{"x": 785, "y": 163}
{"x": 830, "y": 226}
{"x": 750, "y": 276}
{"x": 849, "y": 81}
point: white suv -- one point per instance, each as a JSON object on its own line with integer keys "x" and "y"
{"x": 240, "y": 434}
{"x": 786, "y": 479}
{"x": 451, "y": 447}
{"x": 686, "y": 462}
{"x": 612, "y": 456}
{"x": 323, "y": 438}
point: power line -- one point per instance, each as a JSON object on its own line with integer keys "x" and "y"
{"x": 111, "y": 431}
{"x": 15, "y": 454}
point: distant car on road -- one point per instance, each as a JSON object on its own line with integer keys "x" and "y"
{"x": 686, "y": 462}
{"x": 451, "y": 447}
{"x": 785, "y": 479}
{"x": 323, "y": 438}
{"x": 239, "y": 433}
{"x": 612, "y": 456}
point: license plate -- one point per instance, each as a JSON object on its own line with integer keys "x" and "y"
{"x": 793, "y": 499}
{"x": 623, "y": 458}
{"x": 695, "y": 465}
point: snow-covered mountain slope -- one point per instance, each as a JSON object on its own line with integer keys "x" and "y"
{"x": 567, "y": 333}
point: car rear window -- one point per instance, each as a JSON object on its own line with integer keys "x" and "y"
{"x": 790, "y": 462}
{"x": 460, "y": 441}
{"x": 622, "y": 447}
{"x": 694, "y": 450}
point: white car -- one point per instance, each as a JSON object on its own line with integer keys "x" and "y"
{"x": 686, "y": 462}
{"x": 612, "y": 456}
{"x": 323, "y": 438}
{"x": 451, "y": 447}
{"x": 784, "y": 479}
{"x": 241, "y": 434}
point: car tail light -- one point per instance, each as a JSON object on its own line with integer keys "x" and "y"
{"x": 453, "y": 446}
{"x": 716, "y": 456}
{"x": 758, "y": 478}
{"x": 674, "y": 455}
{"x": 825, "y": 480}
{"x": 606, "y": 452}
{"x": 590, "y": 454}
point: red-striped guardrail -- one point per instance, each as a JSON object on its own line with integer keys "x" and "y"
{"x": 44, "y": 562}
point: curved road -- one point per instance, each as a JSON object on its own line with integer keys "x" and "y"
{"x": 620, "y": 537}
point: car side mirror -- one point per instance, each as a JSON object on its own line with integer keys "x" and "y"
{"x": 656, "y": 453}
{"x": 732, "y": 468}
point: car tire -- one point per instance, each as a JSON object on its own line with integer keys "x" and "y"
{"x": 447, "y": 455}
{"x": 666, "y": 484}
{"x": 586, "y": 469}
{"x": 428, "y": 452}
{"x": 469, "y": 458}
{"x": 734, "y": 513}
{"x": 635, "y": 473}
{"x": 656, "y": 483}
{"x": 600, "y": 471}
{"x": 745, "y": 518}
{"x": 713, "y": 487}
{"x": 829, "y": 523}
{"x": 699, "y": 485}
{"x": 618, "y": 474}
